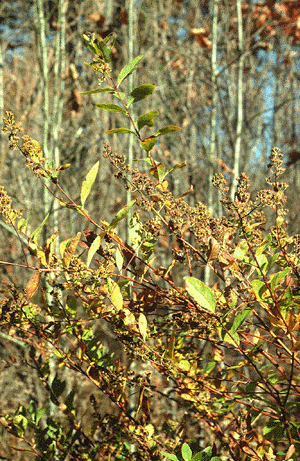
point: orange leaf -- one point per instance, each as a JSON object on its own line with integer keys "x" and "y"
{"x": 32, "y": 285}
{"x": 290, "y": 452}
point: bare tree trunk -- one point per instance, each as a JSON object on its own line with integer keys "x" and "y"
{"x": 240, "y": 95}
{"x": 52, "y": 120}
{"x": 43, "y": 62}
{"x": 131, "y": 24}
{"x": 58, "y": 86}
{"x": 213, "y": 120}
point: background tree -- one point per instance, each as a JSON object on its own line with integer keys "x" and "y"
{"x": 178, "y": 58}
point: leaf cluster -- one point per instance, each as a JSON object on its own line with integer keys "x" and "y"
{"x": 226, "y": 354}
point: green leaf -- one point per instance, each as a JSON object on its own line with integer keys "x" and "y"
{"x": 111, "y": 36}
{"x": 89, "y": 43}
{"x": 271, "y": 262}
{"x": 200, "y": 293}
{"x": 145, "y": 159}
{"x": 121, "y": 215}
{"x": 139, "y": 93}
{"x": 102, "y": 49}
{"x": 259, "y": 289}
{"x": 88, "y": 182}
{"x": 265, "y": 244}
{"x": 158, "y": 171}
{"x": 209, "y": 368}
{"x": 286, "y": 301}
{"x": 111, "y": 107}
{"x": 262, "y": 261}
{"x": 165, "y": 130}
{"x": 207, "y": 451}
{"x": 32, "y": 407}
{"x": 70, "y": 400}
{"x": 275, "y": 281}
{"x": 169, "y": 456}
{"x": 58, "y": 386}
{"x": 197, "y": 457}
{"x": 78, "y": 208}
{"x": 99, "y": 45}
{"x": 241, "y": 251}
{"x": 231, "y": 337}
{"x": 22, "y": 224}
{"x": 63, "y": 167}
{"x": 36, "y": 234}
{"x": 93, "y": 249}
{"x": 175, "y": 167}
{"x": 20, "y": 424}
{"x": 120, "y": 130}
{"x": 99, "y": 90}
{"x": 59, "y": 354}
{"x": 186, "y": 452}
{"x": 50, "y": 165}
{"x": 71, "y": 305}
{"x": 239, "y": 319}
{"x": 274, "y": 425}
{"x": 148, "y": 246}
{"x": 148, "y": 143}
{"x": 128, "y": 69}
{"x": 39, "y": 414}
{"x": 147, "y": 119}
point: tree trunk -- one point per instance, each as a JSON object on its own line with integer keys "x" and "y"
{"x": 240, "y": 102}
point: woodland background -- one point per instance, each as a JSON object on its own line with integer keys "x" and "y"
{"x": 235, "y": 95}
{"x": 226, "y": 72}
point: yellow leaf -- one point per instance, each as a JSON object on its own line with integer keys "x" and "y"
{"x": 68, "y": 248}
{"x": 129, "y": 319}
{"x": 41, "y": 257}
{"x": 115, "y": 294}
{"x": 143, "y": 326}
{"x": 119, "y": 258}
{"x": 184, "y": 365}
{"x": 186, "y": 396}
{"x": 93, "y": 249}
{"x": 50, "y": 246}
{"x": 163, "y": 186}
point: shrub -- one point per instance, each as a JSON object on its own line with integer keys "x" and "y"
{"x": 214, "y": 369}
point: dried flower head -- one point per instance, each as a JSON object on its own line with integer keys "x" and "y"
{"x": 6, "y": 211}
{"x": 31, "y": 150}
{"x": 9, "y": 125}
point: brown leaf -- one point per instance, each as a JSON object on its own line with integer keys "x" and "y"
{"x": 293, "y": 158}
{"x": 94, "y": 373}
{"x": 90, "y": 236}
{"x": 70, "y": 249}
{"x": 250, "y": 452}
{"x": 32, "y": 285}
{"x": 146, "y": 409}
{"x": 224, "y": 166}
{"x": 214, "y": 249}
